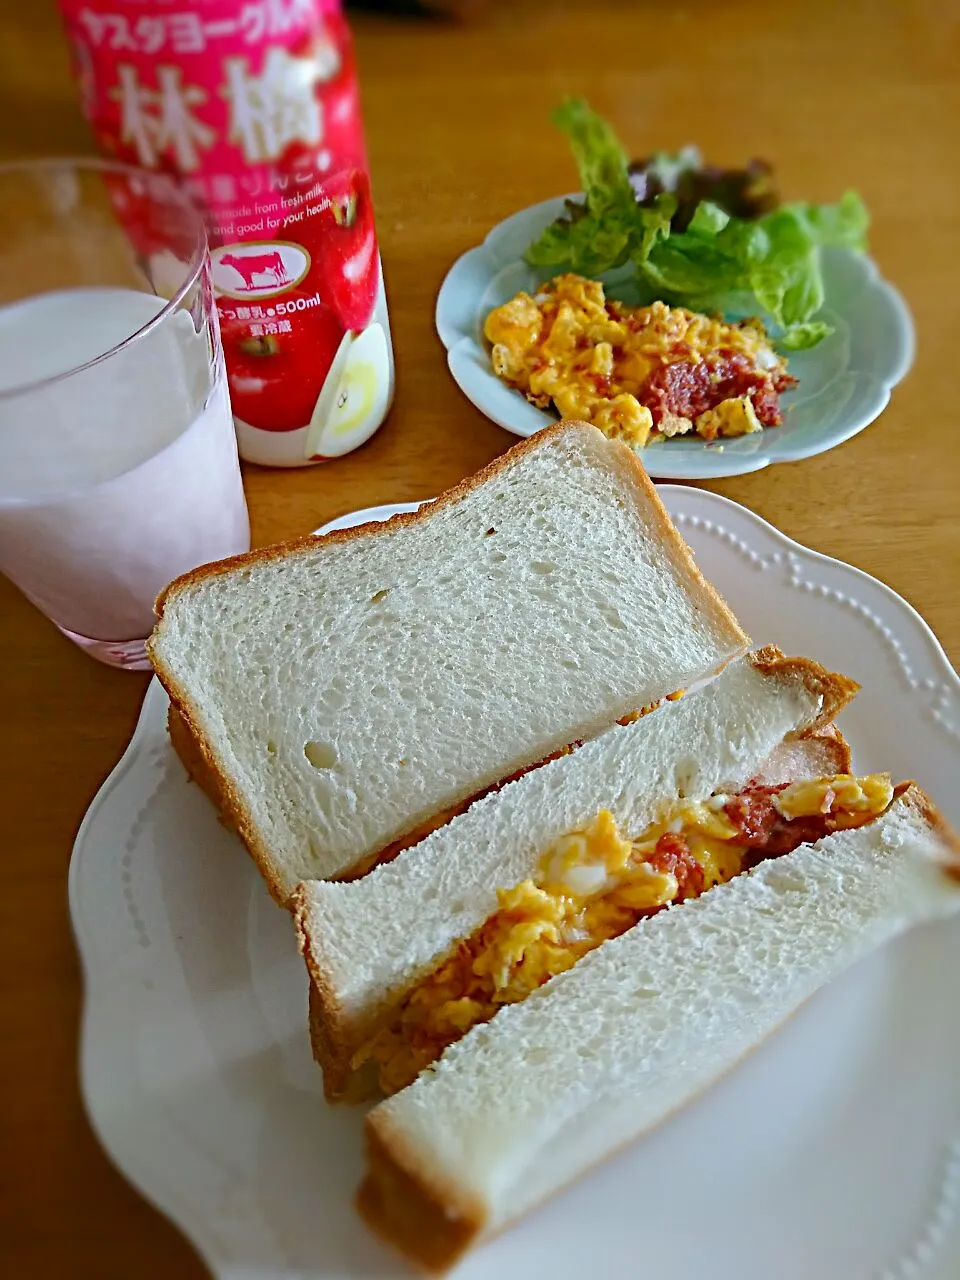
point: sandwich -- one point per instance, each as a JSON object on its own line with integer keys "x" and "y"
{"x": 531, "y": 878}
{"x": 340, "y": 697}
{"x": 604, "y": 1052}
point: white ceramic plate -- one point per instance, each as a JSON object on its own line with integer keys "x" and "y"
{"x": 832, "y": 1154}
{"x": 845, "y": 381}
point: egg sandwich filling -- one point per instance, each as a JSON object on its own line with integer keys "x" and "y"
{"x": 595, "y": 884}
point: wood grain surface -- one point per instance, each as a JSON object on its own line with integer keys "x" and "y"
{"x": 862, "y": 93}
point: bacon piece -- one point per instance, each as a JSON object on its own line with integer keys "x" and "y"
{"x": 688, "y": 389}
{"x": 764, "y": 830}
{"x": 673, "y": 855}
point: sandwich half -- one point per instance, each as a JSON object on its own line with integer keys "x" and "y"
{"x": 606, "y": 1051}
{"x": 340, "y": 696}
{"x": 530, "y": 878}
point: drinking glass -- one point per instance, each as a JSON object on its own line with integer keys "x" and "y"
{"x": 118, "y": 456}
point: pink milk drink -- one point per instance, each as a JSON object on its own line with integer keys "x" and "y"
{"x": 254, "y": 105}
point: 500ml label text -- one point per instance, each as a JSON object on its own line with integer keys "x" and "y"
{"x": 296, "y": 304}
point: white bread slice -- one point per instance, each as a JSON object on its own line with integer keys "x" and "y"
{"x": 604, "y": 1052}
{"x": 336, "y": 693}
{"x": 438, "y": 892}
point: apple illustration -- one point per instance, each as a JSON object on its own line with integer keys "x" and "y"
{"x": 276, "y": 379}
{"x": 355, "y": 395}
{"x": 342, "y": 242}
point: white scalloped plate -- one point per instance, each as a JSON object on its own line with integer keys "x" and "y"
{"x": 845, "y": 381}
{"x": 832, "y": 1154}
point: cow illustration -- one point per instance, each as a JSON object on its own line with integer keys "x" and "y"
{"x": 257, "y": 264}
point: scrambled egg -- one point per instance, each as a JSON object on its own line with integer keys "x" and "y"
{"x": 590, "y": 886}
{"x": 733, "y": 417}
{"x": 605, "y": 362}
{"x": 845, "y": 798}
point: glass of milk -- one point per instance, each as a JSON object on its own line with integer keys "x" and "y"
{"x": 118, "y": 457}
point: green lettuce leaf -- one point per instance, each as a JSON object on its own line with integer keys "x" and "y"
{"x": 786, "y": 279}
{"x": 599, "y": 234}
{"x": 799, "y": 337}
{"x": 845, "y": 223}
{"x": 708, "y": 220}
{"x": 584, "y": 242}
{"x": 601, "y": 161}
{"x": 717, "y": 262}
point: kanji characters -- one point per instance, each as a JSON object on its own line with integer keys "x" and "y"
{"x": 274, "y": 109}
{"x": 158, "y": 120}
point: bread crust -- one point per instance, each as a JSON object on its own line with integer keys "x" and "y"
{"x": 197, "y": 751}
{"x": 410, "y": 1206}
{"x": 184, "y": 744}
{"x": 200, "y": 762}
{"x": 825, "y": 753}
{"x": 921, "y": 803}
{"x": 333, "y": 1035}
{"x": 400, "y": 1187}
{"x": 833, "y": 690}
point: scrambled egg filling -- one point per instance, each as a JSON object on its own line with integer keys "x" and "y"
{"x": 847, "y": 800}
{"x": 593, "y": 885}
{"x": 637, "y": 373}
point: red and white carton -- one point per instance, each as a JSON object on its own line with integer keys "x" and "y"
{"x": 254, "y": 105}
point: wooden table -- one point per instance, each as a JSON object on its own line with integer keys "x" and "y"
{"x": 860, "y": 94}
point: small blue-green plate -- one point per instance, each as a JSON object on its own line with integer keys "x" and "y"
{"x": 844, "y": 382}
